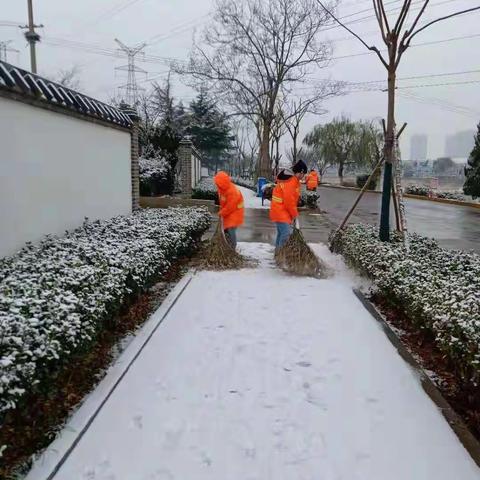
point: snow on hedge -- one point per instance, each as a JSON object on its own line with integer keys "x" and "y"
{"x": 438, "y": 289}
{"x": 157, "y": 169}
{"x": 423, "y": 191}
{"x": 245, "y": 182}
{"x": 205, "y": 190}
{"x": 310, "y": 199}
{"x": 55, "y": 296}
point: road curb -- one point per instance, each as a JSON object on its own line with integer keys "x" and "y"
{"x": 456, "y": 423}
{"x": 409, "y": 195}
{"x": 48, "y": 464}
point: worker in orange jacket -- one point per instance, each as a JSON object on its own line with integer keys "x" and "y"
{"x": 284, "y": 206}
{"x": 312, "y": 181}
{"x": 231, "y": 206}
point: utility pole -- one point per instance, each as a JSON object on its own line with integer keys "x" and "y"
{"x": 131, "y": 96}
{"x": 32, "y": 36}
{"x": 4, "y": 49}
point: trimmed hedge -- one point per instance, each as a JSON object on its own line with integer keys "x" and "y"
{"x": 155, "y": 176}
{"x": 206, "y": 190}
{"x": 56, "y": 296}
{"x": 245, "y": 182}
{"x": 438, "y": 289}
{"x": 310, "y": 199}
{"x": 423, "y": 191}
{"x": 361, "y": 180}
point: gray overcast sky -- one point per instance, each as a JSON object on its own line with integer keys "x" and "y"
{"x": 429, "y": 110}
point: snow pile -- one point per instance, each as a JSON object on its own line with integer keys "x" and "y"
{"x": 205, "y": 190}
{"x": 438, "y": 289}
{"x": 56, "y": 295}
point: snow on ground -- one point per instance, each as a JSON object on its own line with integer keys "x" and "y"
{"x": 251, "y": 200}
{"x": 256, "y": 375}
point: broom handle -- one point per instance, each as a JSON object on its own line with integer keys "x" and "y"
{"x": 297, "y": 224}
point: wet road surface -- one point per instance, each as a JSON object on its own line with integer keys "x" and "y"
{"x": 455, "y": 227}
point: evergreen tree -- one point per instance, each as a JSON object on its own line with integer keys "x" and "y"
{"x": 209, "y": 130}
{"x": 472, "y": 171}
{"x": 162, "y": 127}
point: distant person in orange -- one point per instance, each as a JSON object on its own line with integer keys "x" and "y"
{"x": 312, "y": 181}
{"x": 231, "y": 206}
{"x": 284, "y": 206}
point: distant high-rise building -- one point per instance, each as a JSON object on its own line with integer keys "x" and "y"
{"x": 459, "y": 144}
{"x": 418, "y": 147}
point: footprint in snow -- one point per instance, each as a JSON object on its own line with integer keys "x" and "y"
{"x": 304, "y": 364}
{"x": 138, "y": 421}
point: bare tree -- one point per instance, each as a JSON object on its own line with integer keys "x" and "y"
{"x": 296, "y": 108}
{"x": 246, "y": 144}
{"x": 69, "y": 78}
{"x": 397, "y": 39}
{"x": 253, "y": 48}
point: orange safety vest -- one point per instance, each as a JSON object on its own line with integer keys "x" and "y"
{"x": 285, "y": 197}
{"x": 312, "y": 181}
{"x": 231, "y": 201}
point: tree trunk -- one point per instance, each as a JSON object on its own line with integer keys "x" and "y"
{"x": 341, "y": 167}
{"x": 277, "y": 154}
{"x": 295, "y": 148}
{"x": 265, "y": 165}
{"x": 389, "y": 157}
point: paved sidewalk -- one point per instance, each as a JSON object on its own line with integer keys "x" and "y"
{"x": 255, "y": 375}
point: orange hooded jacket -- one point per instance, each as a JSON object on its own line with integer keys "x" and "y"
{"x": 231, "y": 201}
{"x": 312, "y": 180}
{"x": 285, "y": 197}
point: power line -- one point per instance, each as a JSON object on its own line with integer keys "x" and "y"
{"x": 414, "y": 77}
{"x": 423, "y": 44}
{"x": 100, "y": 50}
{"x": 180, "y": 28}
{"x": 440, "y": 104}
{"x": 112, "y": 12}
{"x": 393, "y": 10}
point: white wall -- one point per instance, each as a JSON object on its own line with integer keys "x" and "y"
{"x": 55, "y": 170}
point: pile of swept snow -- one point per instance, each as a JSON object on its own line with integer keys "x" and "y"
{"x": 438, "y": 289}
{"x": 55, "y": 296}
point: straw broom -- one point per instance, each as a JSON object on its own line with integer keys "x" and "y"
{"x": 297, "y": 257}
{"x": 220, "y": 254}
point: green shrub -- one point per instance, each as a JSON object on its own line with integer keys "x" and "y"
{"x": 206, "y": 190}
{"x": 57, "y": 295}
{"x": 438, "y": 289}
{"x": 361, "y": 180}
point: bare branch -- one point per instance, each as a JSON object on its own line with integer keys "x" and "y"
{"x": 446, "y": 17}
{"x": 402, "y": 16}
{"x": 384, "y": 15}
{"x": 371, "y": 48}
{"x": 380, "y": 21}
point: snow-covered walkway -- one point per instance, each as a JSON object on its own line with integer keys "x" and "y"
{"x": 251, "y": 200}
{"x": 255, "y": 375}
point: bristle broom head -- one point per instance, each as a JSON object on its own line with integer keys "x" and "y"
{"x": 297, "y": 257}
{"x": 220, "y": 255}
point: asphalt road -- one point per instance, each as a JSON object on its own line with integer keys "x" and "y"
{"x": 455, "y": 227}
